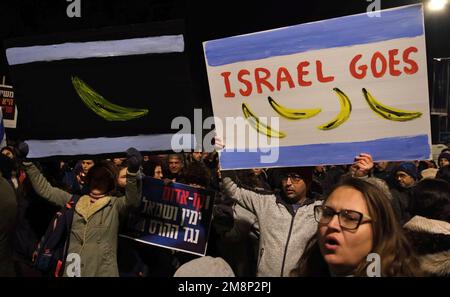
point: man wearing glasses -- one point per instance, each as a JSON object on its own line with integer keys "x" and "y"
{"x": 286, "y": 219}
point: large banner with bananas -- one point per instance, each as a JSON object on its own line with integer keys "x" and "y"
{"x": 101, "y": 91}
{"x": 323, "y": 92}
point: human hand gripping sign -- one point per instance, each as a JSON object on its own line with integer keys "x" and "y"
{"x": 362, "y": 166}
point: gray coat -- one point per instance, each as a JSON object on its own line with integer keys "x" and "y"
{"x": 95, "y": 226}
{"x": 283, "y": 233}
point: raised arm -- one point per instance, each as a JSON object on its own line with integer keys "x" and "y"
{"x": 43, "y": 188}
{"x": 247, "y": 199}
{"x": 133, "y": 188}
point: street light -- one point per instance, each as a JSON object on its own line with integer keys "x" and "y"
{"x": 436, "y": 5}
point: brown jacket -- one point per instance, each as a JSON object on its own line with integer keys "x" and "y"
{"x": 95, "y": 226}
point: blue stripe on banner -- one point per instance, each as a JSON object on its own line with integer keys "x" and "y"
{"x": 385, "y": 149}
{"x": 343, "y": 31}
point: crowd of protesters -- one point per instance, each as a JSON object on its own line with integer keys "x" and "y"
{"x": 296, "y": 221}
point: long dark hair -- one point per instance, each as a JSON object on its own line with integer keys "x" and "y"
{"x": 389, "y": 242}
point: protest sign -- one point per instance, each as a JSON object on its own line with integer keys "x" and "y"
{"x": 323, "y": 92}
{"x": 98, "y": 91}
{"x": 174, "y": 216}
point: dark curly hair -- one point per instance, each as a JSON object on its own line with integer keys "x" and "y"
{"x": 431, "y": 199}
{"x": 197, "y": 174}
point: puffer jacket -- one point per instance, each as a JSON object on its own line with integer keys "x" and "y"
{"x": 283, "y": 232}
{"x": 431, "y": 241}
{"x": 95, "y": 226}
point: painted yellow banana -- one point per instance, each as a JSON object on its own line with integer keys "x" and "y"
{"x": 256, "y": 123}
{"x": 390, "y": 113}
{"x": 344, "y": 113}
{"x": 293, "y": 114}
{"x": 102, "y": 107}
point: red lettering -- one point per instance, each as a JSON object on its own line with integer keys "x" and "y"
{"x": 301, "y": 73}
{"x": 184, "y": 197}
{"x": 199, "y": 201}
{"x": 320, "y": 76}
{"x": 373, "y": 65}
{"x": 262, "y": 80}
{"x": 393, "y": 62}
{"x": 226, "y": 77}
{"x": 362, "y": 69}
{"x": 167, "y": 193}
{"x": 284, "y": 75}
{"x": 247, "y": 83}
{"x": 414, "y": 67}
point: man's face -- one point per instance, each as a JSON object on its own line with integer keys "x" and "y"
{"x": 404, "y": 179}
{"x": 443, "y": 162}
{"x": 86, "y": 165}
{"x": 257, "y": 171}
{"x": 175, "y": 165}
{"x": 118, "y": 161}
{"x": 294, "y": 187}
{"x": 197, "y": 156}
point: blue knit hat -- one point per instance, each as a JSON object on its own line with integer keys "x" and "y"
{"x": 408, "y": 168}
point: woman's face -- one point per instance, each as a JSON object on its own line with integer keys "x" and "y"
{"x": 86, "y": 165}
{"x": 158, "y": 172}
{"x": 122, "y": 178}
{"x": 341, "y": 248}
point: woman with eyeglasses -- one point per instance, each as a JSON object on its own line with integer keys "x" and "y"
{"x": 356, "y": 220}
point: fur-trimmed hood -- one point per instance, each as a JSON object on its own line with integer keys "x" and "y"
{"x": 431, "y": 240}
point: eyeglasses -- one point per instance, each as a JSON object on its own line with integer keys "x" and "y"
{"x": 295, "y": 178}
{"x": 348, "y": 219}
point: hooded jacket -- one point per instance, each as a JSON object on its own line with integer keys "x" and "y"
{"x": 283, "y": 232}
{"x": 431, "y": 241}
{"x": 95, "y": 226}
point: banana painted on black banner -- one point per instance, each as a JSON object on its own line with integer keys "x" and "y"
{"x": 102, "y": 107}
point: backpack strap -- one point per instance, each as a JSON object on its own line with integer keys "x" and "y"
{"x": 69, "y": 211}
{"x": 73, "y": 201}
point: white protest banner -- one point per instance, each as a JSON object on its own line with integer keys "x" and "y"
{"x": 323, "y": 92}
